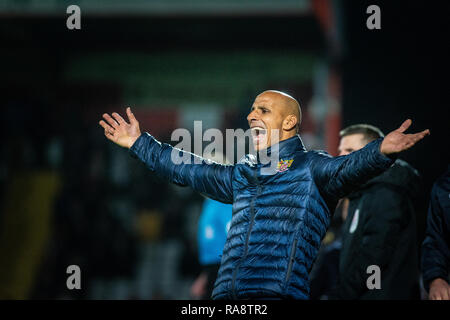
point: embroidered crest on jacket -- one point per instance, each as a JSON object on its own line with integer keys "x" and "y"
{"x": 283, "y": 165}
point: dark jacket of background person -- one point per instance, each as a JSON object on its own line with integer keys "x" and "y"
{"x": 324, "y": 275}
{"x": 436, "y": 246}
{"x": 380, "y": 229}
{"x": 279, "y": 219}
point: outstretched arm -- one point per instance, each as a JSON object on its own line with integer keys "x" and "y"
{"x": 339, "y": 176}
{"x": 204, "y": 176}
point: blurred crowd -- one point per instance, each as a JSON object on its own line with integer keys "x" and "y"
{"x": 73, "y": 199}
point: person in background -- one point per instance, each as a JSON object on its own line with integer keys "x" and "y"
{"x": 325, "y": 272}
{"x": 436, "y": 246}
{"x": 212, "y": 234}
{"x": 380, "y": 228}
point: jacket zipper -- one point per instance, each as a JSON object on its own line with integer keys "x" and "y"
{"x": 291, "y": 261}
{"x": 252, "y": 220}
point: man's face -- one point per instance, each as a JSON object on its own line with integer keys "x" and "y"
{"x": 264, "y": 119}
{"x": 351, "y": 143}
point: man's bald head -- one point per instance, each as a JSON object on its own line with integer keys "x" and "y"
{"x": 288, "y": 105}
{"x": 273, "y": 111}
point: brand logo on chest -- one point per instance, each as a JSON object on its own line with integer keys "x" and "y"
{"x": 284, "y": 165}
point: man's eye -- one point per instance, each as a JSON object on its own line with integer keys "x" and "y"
{"x": 264, "y": 110}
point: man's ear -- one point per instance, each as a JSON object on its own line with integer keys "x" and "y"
{"x": 290, "y": 122}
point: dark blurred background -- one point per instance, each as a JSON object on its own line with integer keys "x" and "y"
{"x": 69, "y": 196}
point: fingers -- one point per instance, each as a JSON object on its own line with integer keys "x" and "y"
{"x": 435, "y": 297}
{"x": 405, "y": 125}
{"x": 421, "y": 135}
{"x": 445, "y": 294}
{"x": 110, "y": 121}
{"x": 118, "y": 118}
{"x": 108, "y": 129}
{"x": 425, "y": 133}
{"x": 414, "y": 138}
{"x": 131, "y": 117}
{"x": 439, "y": 290}
{"x": 440, "y": 295}
{"x": 109, "y": 136}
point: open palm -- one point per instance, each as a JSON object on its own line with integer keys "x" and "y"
{"x": 119, "y": 131}
{"x": 398, "y": 141}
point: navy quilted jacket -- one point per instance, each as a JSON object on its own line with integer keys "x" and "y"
{"x": 278, "y": 220}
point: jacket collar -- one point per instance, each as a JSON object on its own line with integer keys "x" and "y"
{"x": 285, "y": 148}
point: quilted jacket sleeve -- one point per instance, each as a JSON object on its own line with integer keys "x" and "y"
{"x": 338, "y": 176}
{"x": 204, "y": 176}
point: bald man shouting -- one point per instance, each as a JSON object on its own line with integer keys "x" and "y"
{"x": 279, "y": 219}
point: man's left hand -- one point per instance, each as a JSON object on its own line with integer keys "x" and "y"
{"x": 398, "y": 141}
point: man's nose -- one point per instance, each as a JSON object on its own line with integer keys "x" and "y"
{"x": 252, "y": 116}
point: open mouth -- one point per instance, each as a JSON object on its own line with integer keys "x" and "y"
{"x": 258, "y": 134}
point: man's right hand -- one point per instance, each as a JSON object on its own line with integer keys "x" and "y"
{"x": 439, "y": 290}
{"x": 119, "y": 131}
